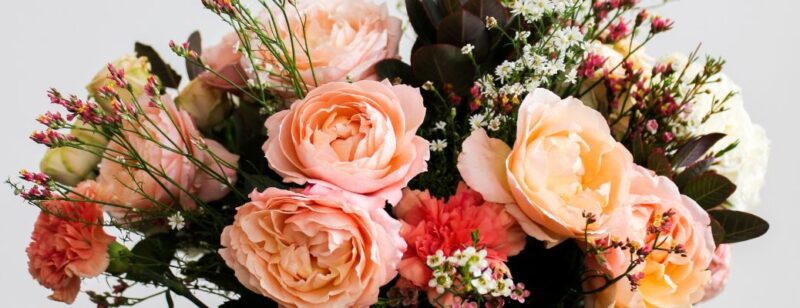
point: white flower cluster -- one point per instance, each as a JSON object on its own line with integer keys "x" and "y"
{"x": 746, "y": 164}
{"x": 470, "y": 270}
{"x": 542, "y": 62}
{"x": 534, "y": 10}
{"x": 494, "y": 123}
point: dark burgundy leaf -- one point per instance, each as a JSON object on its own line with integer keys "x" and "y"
{"x": 443, "y": 64}
{"x": 394, "y": 68}
{"x": 462, "y": 28}
{"x": 420, "y": 20}
{"x": 717, "y": 231}
{"x": 710, "y": 189}
{"x": 485, "y": 8}
{"x": 693, "y": 171}
{"x": 695, "y": 149}
{"x": 739, "y": 226}
{"x": 659, "y": 163}
{"x": 196, "y": 45}
{"x": 169, "y": 78}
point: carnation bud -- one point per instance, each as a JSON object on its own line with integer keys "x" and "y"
{"x": 70, "y": 166}
{"x": 119, "y": 257}
{"x": 137, "y": 70}
{"x": 207, "y": 105}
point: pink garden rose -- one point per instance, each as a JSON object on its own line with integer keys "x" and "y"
{"x": 224, "y": 59}
{"x": 360, "y": 137}
{"x": 118, "y": 179}
{"x": 68, "y": 244}
{"x": 319, "y": 248}
{"x": 564, "y": 164}
{"x": 720, "y": 267}
{"x": 670, "y": 280}
{"x": 345, "y": 39}
{"x": 431, "y": 224}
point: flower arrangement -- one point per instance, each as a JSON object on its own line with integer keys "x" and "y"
{"x": 529, "y": 153}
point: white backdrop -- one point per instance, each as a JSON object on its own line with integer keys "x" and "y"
{"x": 53, "y": 43}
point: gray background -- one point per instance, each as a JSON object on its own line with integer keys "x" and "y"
{"x": 63, "y": 43}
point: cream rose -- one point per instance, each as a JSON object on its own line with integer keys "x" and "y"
{"x": 345, "y": 39}
{"x": 137, "y": 70}
{"x": 320, "y": 248}
{"x": 360, "y": 137}
{"x": 564, "y": 163}
{"x": 615, "y": 54}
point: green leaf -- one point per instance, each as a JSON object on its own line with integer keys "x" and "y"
{"x": 659, "y": 163}
{"x": 462, "y": 28}
{"x": 693, "y": 171}
{"x": 739, "y": 226}
{"x": 153, "y": 253}
{"x": 695, "y": 149}
{"x": 394, "y": 68}
{"x": 169, "y": 78}
{"x": 710, "y": 189}
{"x": 196, "y": 45}
{"x": 443, "y": 64}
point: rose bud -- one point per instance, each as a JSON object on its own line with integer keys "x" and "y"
{"x": 207, "y": 105}
{"x": 70, "y": 166}
{"x": 137, "y": 70}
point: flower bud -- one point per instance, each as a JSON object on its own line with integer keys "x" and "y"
{"x": 119, "y": 258}
{"x": 137, "y": 70}
{"x": 207, "y": 105}
{"x": 70, "y": 166}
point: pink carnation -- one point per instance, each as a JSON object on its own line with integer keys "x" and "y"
{"x": 431, "y": 224}
{"x": 66, "y": 246}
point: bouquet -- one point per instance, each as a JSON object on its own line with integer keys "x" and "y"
{"x": 528, "y": 153}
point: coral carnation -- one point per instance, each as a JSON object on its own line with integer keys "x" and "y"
{"x": 68, "y": 243}
{"x": 431, "y": 224}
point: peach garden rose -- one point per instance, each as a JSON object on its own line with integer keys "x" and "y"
{"x": 670, "y": 280}
{"x": 344, "y": 39}
{"x": 564, "y": 163}
{"x": 68, "y": 244}
{"x": 360, "y": 137}
{"x": 131, "y": 188}
{"x": 319, "y": 248}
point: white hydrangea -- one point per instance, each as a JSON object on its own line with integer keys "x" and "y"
{"x": 745, "y": 165}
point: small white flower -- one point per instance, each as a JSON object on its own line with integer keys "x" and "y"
{"x": 477, "y": 121}
{"x": 491, "y": 22}
{"x": 428, "y": 86}
{"x": 504, "y": 288}
{"x": 436, "y": 260}
{"x": 484, "y": 283}
{"x": 467, "y": 49}
{"x": 441, "y": 281}
{"x": 522, "y": 35}
{"x": 572, "y": 76}
{"x": 459, "y": 258}
{"x": 494, "y": 124}
{"x": 440, "y": 126}
{"x": 176, "y": 221}
{"x": 438, "y": 145}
